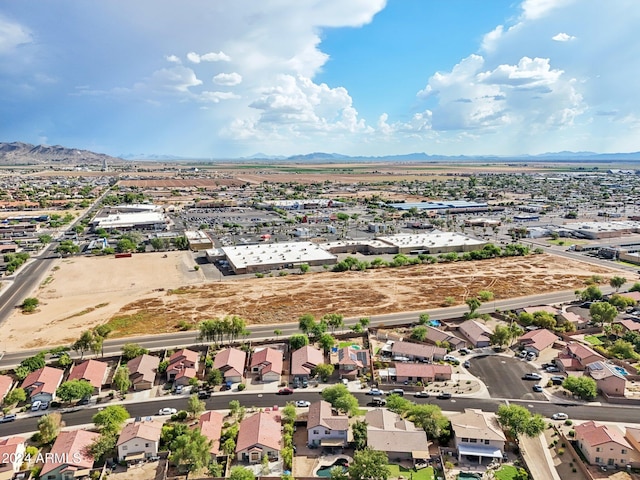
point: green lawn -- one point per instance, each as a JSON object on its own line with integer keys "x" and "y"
{"x": 346, "y": 344}
{"x": 506, "y": 472}
{"x": 593, "y": 339}
{"x": 422, "y": 474}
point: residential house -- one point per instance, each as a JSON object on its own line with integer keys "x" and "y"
{"x": 183, "y": 366}
{"x": 478, "y": 434}
{"x": 417, "y": 351}
{"x": 139, "y": 441}
{"x": 352, "y": 362}
{"x": 476, "y": 333}
{"x": 267, "y": 363}
{"x": 304, "y": 360}
{"x": 422, "y": 372}
{"x": 605, "y": 445}
{"x": 41, "y": 384}
{"x": 210, "y": 424}
{"x": 398, "y": 437}
{"x": 576, "y": 356}
{"x": 230, "y": 362}
{"x": 142, "y": 371}
{"x": 70, "y": 458}
{"x": 259, "y": 435}
{"x": 537, "y": 341}
{"x": 11, "y": 456}
{"x": 629, "y": 325}
{"x": 609, "y": 380}
{"x": 632, "y": 434}
{"x": 93, "y": 371}
{"x": 325, "y": 427}
{"x": 438, "y": 337}
{"x": 6, "y": 382}
{"x": 577, "y": 320}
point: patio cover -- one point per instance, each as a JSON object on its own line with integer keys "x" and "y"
{"x": 331, "y": 442}
{"x": 135, "y": 456}
{"x": 480, "y": 451}
{"x": 420, "y": 454}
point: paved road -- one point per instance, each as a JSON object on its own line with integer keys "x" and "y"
{"x": 221, "y": 401}
{"x": 503, "y": 376}
{"x": 258, "y": 332}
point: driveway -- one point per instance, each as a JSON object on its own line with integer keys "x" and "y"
{"x": 503, "y": 377}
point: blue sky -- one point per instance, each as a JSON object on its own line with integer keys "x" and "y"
{"x": 229, "y": 78}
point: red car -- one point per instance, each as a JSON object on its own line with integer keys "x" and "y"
{"x": 285, "y": 391}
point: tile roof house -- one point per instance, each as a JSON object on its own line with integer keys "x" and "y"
{"x": 259, "y": 435}
{"x": 183, "y": 366}
{"x": 605, "y": 445}
{"x": 304, "y": 360}
{"x": 139, "y": 441}
{"x": 417, "y": 351}
{"x": 210, "y": 424}
{"x": 267, "y": 363}
{"x": 12, "y": 452}
{"x": 42, "y": 384}
{"x": 537, "y": 341}
{"x": 71, "y": 457}
{"x": 6, "y": 382}
{"x": 436, "y": 335}
{"x": 142, "y": 371}
{"x": 629, "y": 325}
{"x": 325, "y": 427}
{"x": 476, "y": 333}
{"x": 576, "y": 356}
{"x": 609, "y": 380}
{"x": 399, "y": 438}
{"x": 352, "y": 362}
{"x": 478, "y": 434}
{"x": 572, "y": 317}
{"x": 93, "y": 371}
{"x": 422, "y": 372}
{"x": 230, "y": 362}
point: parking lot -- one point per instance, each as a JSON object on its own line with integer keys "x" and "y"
{"x": 503, "y": 377}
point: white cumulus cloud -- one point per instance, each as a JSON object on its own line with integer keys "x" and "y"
{"x": 178, "y": 79}
{"x": 12, "y": 35}
{"x": 208, "y": 57}
{"x": 228, "y": 79}
{"x": 172, "y": 59}
{"x": 563, "y": 37}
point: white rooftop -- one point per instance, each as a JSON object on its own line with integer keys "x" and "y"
{"x": 275, "y": 254}
{"x": 603, "y": 226}
{"x": 130, "y": 219}
{"x": 433, "y": 239}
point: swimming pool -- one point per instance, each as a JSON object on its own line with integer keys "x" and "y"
{"x": 469, "y": 476}
{"x": 620, "y": 370}
{"x": 326, "y": 471}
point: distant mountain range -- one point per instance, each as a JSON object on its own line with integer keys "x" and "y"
{"x": 18, "y": 153}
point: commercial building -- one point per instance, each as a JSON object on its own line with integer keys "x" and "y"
{"x": 432, "y": 243}
{"x": 131, "y": 217}
{"x": 198, "y": 240}
{"x": 270, "y": 256}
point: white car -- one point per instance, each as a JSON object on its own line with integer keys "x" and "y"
{"x": 559, "y": 416}
{"x": 375, "y": 391}
{"x": 167, "y": 411}
{"x": 302, "y": 403}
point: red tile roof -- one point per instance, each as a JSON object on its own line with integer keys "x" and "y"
{"x": 46, "y": 379}
{"x": 210, "y": 426}
{"x": 305, "y": 359}
{"x": 539, "y": 339}
{"x": 143, "y": 368}
{"x": 72, "y": 447}
{"x": 270, "y": 358}
{"x": 230, "y": 362}
{"x": 423, "y": 370}
{"x": 91, "y": 370}
{"x": 145, "y": 430}
{"x": 593, "y": 434}
{"x": 5, "y": 384}
{"x": 260, "y": 429}
{"x": 321, "y": 414}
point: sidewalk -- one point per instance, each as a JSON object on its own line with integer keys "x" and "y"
{"x": 538, "y": 459}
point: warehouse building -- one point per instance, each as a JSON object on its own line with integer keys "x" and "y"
{"x": 131, "y": 217}
{"x": 271, "y": 256}
{"x": 198, "y": 240}
{"x": 432, "y": 243}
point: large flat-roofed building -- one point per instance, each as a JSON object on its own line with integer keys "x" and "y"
{"x": 129, "y": 217}
{"x": 433, "y": 243}
{"x": 301, "y": 204}
{"x": 453, "y": 206}
{"x": 269, "y": 256}
{"x": 597, "y": 230}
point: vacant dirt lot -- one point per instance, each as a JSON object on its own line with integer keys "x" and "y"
{"x": 149, "y": 293}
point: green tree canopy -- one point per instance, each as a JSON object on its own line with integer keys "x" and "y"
{"x": 603, "y": 312}
{"x": 323, "y": 370}
{"x": 517, "y": 420}
{"x": 111, "y": 419}
{"x": 16, "y": 395}
{"x": 298, "y": 341}
{"x": 241, "y": 473}
{"x": 74, "y": 390}
{"x": 326, "y": 341}
{"x": 583, "y": 387}
{"x": 430, "y": 418}
{"x": 591, "y": 294}
{"x": 191, "y": 451}
{"x": 132, "y": 350}
{"x": 195, "y": 406}
{"x": 121, "y": 379}
{"x": 369, "y": 465}
{"x": 49, "y": 427}
{"x": 419, "y": 333}
{"x": 617, "y": 282}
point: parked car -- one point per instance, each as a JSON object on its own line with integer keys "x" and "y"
{"x": 444, "y": 396}
{"x": 530, "y": 356}
{"x": 84, "y": 401}
{"x": 450, "y": 358}
{"x": 552, "y": 369}
{"x": 421, "y": 394}
{"x": 167, "y": 411}
{"x": 375, "y": 391}
{"x": 378, "y": 402}
{"x": 345, "y": 381}
{"x": 35, "y": 406}
{"x": 305, "y": 383}
{"x": 557, "y": 379}
{"x": 285, "y": 391}
{"x": 466, "y": 364}
{"x": 537, "y": 388}
{"x": 559, "y": 416}
{"x": 532, "y": 376}
{"x": 464, "y": 351}
{"x": 11, "y": 417}
{"x": 396, "y": 391}
{"x": 203, "y": 394}
{"x": 179, "y": 389}
{"x": 302, "y": 403}
{"x": 522, "y": 354}
{"x": 44, "y": 405}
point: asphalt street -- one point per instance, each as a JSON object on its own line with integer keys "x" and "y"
{"x": 503, "y": 377}
{"x": 221, "y": 401}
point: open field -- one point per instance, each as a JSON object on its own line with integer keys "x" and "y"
{"x": 148, "y": 293}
